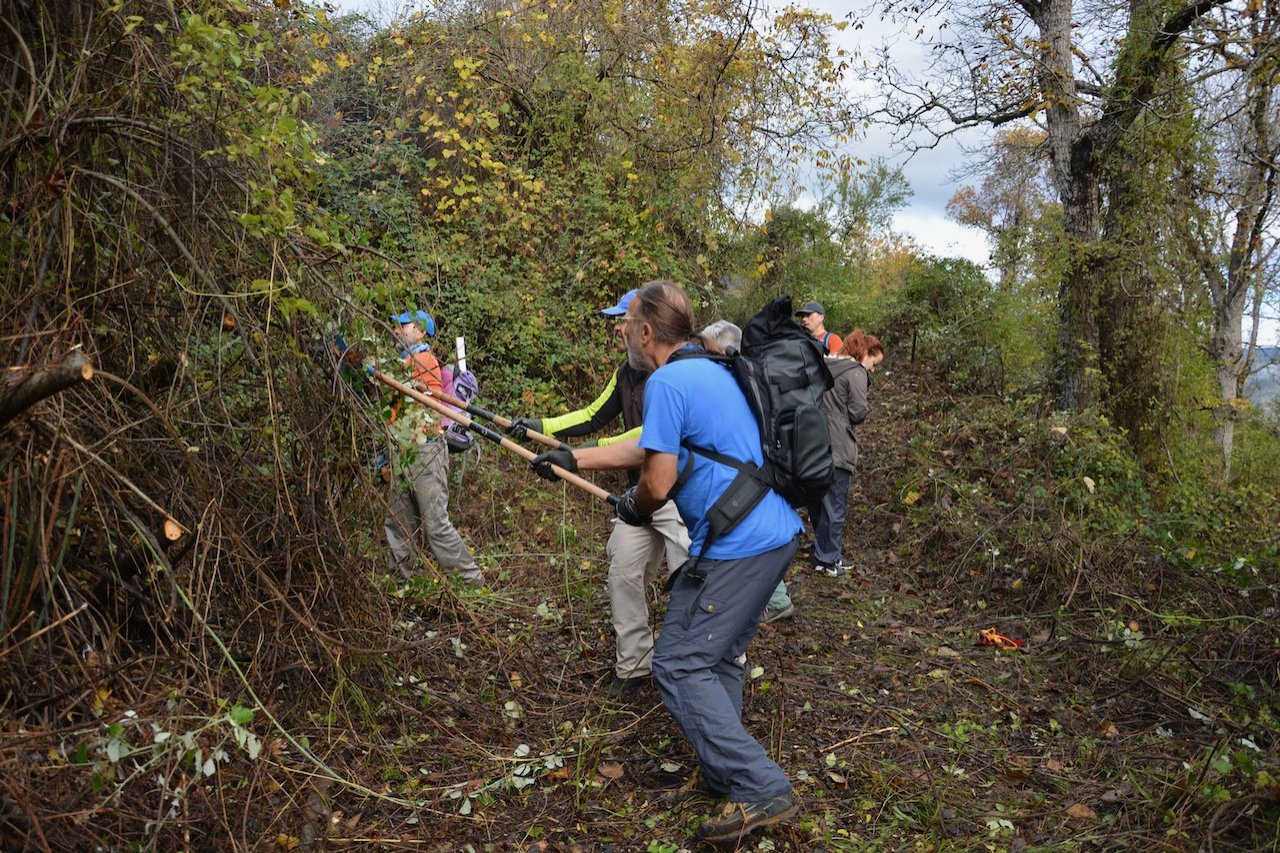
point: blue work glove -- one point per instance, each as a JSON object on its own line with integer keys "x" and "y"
{"x": 543, "y": 461}
{"x": 628, "y": 513}
{"x": 519, "y": 427}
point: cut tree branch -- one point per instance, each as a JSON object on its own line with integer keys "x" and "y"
{"x": 34, "y": 387}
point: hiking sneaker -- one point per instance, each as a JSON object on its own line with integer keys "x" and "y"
{"x": 621, "y": 685}
{"x": 773, "y": 614}
{"x": 735, "y": 820}
{"x": 831, "y": 570}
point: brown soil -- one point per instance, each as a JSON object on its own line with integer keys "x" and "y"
{"x": 899, "y": 730}
{"x": 485, "y": 725}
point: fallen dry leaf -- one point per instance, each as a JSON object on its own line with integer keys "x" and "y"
{"x": 1082, "y": 811}
{"x": 610, "y": 770}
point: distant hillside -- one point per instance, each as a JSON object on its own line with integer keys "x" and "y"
{"x": 1264, "y": 386}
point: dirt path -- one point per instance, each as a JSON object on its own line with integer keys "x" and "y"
{"x": 898, "y": 729}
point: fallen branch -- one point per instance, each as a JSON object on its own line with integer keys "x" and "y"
{"x": 34, "y": 387}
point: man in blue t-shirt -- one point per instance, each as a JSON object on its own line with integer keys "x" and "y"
{"x": 718, "y": 595}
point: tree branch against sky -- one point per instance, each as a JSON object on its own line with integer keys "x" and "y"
{"x": 1236, "y": 234}
{"x": 1085, "y": 73}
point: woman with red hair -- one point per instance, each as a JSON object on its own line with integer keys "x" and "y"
{"x": 845, "y": 406}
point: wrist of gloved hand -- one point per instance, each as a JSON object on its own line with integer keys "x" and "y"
{"x": 562, "y": 458}
{"x": 629, "y": 513}
{"x": 520, "y": 427}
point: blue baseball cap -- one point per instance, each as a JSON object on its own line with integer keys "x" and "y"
{"x": 428, "y": 322}
{"x": 621, "y": 308}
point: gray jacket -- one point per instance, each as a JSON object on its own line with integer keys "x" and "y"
{"x": 845, "y": 405}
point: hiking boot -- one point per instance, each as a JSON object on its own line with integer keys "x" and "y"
{"x": 735, "y": 820}
{"x": 831, "y": 570}
{"x": 621, "y": 685}
{"x": 773, "y": 614}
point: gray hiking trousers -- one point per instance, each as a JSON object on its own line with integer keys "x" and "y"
{"x": 421, "y": 508}
{"x": 711, "y": 619}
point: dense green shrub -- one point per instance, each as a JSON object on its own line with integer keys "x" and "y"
{"x": 982, "y": 339}
{"x": 1257, "y": 451}
{"x": 1045, "y": 503}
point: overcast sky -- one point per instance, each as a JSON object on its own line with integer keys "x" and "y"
{"x": 934, "y": 173}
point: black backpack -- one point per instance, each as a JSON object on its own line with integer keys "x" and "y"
{"x": 781, "y": 372}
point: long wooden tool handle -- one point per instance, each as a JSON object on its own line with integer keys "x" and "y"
{"x": 496, "y": 438}
{"x": 497, "y": 420}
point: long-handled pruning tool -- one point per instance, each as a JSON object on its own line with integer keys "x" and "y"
{"x": 441, "y": 403}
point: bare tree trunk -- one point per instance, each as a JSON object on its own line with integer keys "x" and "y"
{"x": 1075, "y": 173}
{"x": 1258, "y": 149}
{"x": 1224, "y": 430}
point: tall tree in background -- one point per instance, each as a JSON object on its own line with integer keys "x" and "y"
{"x": 1234, "y": 237}
{"x": 862, "y": 207}
{"x": 1013, "y": 205}
{"x": 1086, "y": 75}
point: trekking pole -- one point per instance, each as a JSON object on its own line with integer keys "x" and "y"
{"x": 485, "y": 432}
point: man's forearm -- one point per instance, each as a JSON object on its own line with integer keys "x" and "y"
{"x": 624, "y": 454}
{"x": 656, "y": 479}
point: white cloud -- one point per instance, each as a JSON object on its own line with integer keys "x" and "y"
{"x": 940, "y": 236}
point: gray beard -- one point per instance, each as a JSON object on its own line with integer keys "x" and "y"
{"x": 638, "y": 360}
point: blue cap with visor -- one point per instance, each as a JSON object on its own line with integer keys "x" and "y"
{"x": 428, "y": 322}
{"x": 621, "y": 308}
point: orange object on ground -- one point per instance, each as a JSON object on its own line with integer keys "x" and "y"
{"x": 992, "y": 637}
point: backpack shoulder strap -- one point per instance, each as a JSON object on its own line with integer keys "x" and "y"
{"x": 696, "y": 352}
{"x": 748, "y": 467}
